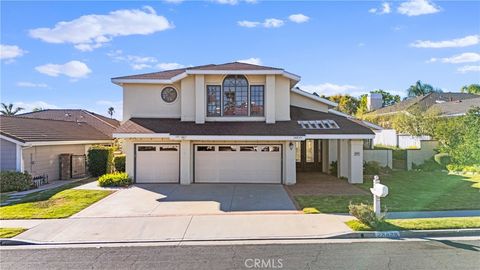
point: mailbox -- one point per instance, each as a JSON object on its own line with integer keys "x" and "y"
{"x": 379, "y": 190}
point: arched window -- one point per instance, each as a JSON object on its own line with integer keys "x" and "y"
{"x": 235, "y": 96}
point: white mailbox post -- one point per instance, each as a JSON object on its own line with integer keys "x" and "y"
{"x": 378, "y": 192}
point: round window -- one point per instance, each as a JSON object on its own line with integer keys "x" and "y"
{"x": 169, "y": 94}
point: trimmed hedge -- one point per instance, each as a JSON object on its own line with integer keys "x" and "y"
{"x": 463, "y": 168}
{"x": 100, "y": 160}
{"x": 14, "y": 181}
{"x": 365, "y": 214}
{"x": 371, "y": 168}
{"x": 114, "y": 180}
{"x": 119, "y": 162}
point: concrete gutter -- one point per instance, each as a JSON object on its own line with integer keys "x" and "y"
{"x": 410, "y": 234}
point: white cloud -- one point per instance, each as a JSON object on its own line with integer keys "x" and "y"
{"x": 453, "y": 43}
{"x": 466, "y": 69}
{"x": 417, "y": 7}
{"x": 253, "y": 61}
{"x": 73, "y": 69}
{"x": 10, "y": 52}
{"x": 386, "y": 9}
{"x": 248, "y": 24}
{"x": 267, "y": 23}
{"x": 329, "y": 89}
{"x": 32, "y": 85}
{"x": 226, "y": 2}
{"x": 92, "y": 31}
{"x": 173, "y": 1}
{"x": 298, "y": 18}
{"x": 273, "y": 23}
{"x": 29, "y": 106}
{"x": 168, "y": 66}
{"x": 460, "y": 58}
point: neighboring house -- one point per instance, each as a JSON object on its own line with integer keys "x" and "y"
{"x": 423, "y": 103}
{"x": 232, "y": 123}
{"x": 34, "y": 145}
{"x": 455, "y": 108}
{"x": 103, "y": 124}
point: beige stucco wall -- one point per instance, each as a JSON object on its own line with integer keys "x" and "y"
{"x": 145, "y": 100}
{"x": 187, "y": 100}
{"x": 282, "y": 98}
{"x": 39, "y": 160}
{"x": 301, "y": 101}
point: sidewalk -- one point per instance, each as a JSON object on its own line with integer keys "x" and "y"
{"x": 186, "y": 228}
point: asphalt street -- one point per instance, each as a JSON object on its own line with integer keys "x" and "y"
{"x": 432, "y": 254}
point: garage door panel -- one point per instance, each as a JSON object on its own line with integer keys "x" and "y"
{"x": 157, "y": 164}
{"x": 246, "y": 164}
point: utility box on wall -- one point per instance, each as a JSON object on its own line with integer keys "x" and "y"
{"x": 65, "y": 166}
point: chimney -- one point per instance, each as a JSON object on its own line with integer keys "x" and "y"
{"x": 374, "y": 101}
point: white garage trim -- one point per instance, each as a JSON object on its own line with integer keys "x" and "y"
{"x": 272, "y": 173}
{"x": 177, "y": 163}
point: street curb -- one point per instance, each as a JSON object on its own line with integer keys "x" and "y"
{"x": 351, "y": 235}
{"x": 409, "y": 234}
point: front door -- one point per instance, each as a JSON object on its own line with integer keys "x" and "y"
{"x": 309, "y": 155}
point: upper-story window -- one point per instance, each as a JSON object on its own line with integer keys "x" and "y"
{"x": 235, "y": 98}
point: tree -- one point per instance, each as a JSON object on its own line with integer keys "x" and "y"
{"x": 9, "y": 109}
{"x": 420, "y": 89}
{"x": 362, "y": 106}
{"x": 459, "y": 138}
{"x": 388, "y": 99}
{"x": 37, "y": 109}
{"x": 471, "y": 89}
{"x": 111, "y": 111}
{"x": 346, "y": 103}
{"x": 415, "y": 122}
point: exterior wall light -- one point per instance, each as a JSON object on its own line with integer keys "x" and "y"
{"x": 290, "y": 145}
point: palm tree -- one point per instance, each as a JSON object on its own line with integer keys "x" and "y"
{"x": 420, "y": 89}
{"x": 9, "y": 110}
{"x": 111, "y": 111}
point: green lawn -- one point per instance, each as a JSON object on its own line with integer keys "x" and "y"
{"x": 10, "y": 232}
{"x": 409, "y": 191}
{"x": 419, "y": 224}
{"x": 60, "y": 202}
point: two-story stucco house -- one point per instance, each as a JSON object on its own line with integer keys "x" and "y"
{"x": 232, "y": 123}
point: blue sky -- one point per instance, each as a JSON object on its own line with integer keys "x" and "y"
{"x": 336, "y": 47}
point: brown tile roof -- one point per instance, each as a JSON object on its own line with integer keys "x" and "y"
{"x": 100, "y": 122}
{"x": 456, "y": 107}
{"x": 168, "y": 74}
{"x": 423, "y": 102}
{"x": 35, "y": 130}
{"x": 280, "y": 128}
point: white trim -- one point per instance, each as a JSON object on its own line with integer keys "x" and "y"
{"x": 332, "y": 111}
{"x": 311, "y": 96}
{"x": 18, "y": 158}
{"x": 339, "y": 136}
{"x": 208, "y": 72}
{"x": 6, "y": 138}
{"x": 140, "y": 135}
{"x": 236, "y": 138}
{"x": 67, "y": 142}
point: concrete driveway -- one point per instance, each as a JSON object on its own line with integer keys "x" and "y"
{"x": 196, "y": 199}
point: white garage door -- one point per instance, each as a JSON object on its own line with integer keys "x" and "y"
{"x": 157, "y": 163}
{"x": 238, "y": 164}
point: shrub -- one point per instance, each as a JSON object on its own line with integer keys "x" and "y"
{"x": 443, "y": 159}
{"x": 430, "y": 165}
{"x": 371, "y": 168}
{"x": 463, "y": 168}
{"x": 14, "y": 181}
{"x": 365, "y": 214}
{"x": 334, "y": 168}
{"x": 116, "y": 179}
{"x": 100, "y": 160}
{"x": 119, "y": 162}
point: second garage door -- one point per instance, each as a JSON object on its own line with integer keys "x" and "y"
{"x": 238, "y": 164}
{"x": 157, "y": 163}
